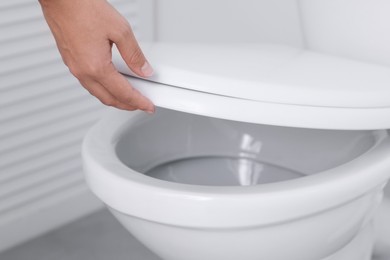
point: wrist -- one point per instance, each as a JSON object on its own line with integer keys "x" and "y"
{"x": 48, "y": 3}
{"x": 43, "y": 3}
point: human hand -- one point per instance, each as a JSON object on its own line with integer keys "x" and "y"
{"x": 85, "y": 32}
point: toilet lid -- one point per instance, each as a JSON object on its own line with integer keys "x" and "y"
{"x": 266, "y": 84}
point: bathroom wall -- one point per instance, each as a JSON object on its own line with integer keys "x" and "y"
{"x": 357, "y": 29}
{"x": 44, "y": 114}
{"x": 353, "y": 28}
{"x": 275, "y": 21}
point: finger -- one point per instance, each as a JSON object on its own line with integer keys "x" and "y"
{"x": 97, "y": 90}
{"x": 131, "y": 52}
{"x": 120, "y": 88}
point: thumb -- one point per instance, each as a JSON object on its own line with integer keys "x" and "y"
{"x": 133, "y": 55}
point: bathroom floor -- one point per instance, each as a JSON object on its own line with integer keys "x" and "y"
{"x": 95, "y": 237}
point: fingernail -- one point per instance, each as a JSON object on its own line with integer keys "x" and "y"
{"x": 150, "y": 111}
{"x": 147, "y": 70}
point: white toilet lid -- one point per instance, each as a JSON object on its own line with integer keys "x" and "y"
{"x": 266, "y": 84}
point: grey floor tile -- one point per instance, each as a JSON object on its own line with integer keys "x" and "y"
{"x": 95, "y": 237}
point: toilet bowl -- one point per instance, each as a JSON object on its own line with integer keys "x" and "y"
{"x": 161, "y": 176}
{"x": 283, "y": 187}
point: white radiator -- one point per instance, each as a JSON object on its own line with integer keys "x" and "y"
{"x": 44, "y": 114}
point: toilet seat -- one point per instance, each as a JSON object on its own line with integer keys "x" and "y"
{"x": 351, "y": 179}
{"x": 266, "y": 84}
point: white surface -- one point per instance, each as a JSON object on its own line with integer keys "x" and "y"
{"x": 177, "y": 243}
{"x": 341, "y": 197}
{"x": 351, "y": 28}
{"x": 301, "y": 88}
{"x": 269, "y": 73}
{"x": 222, "y": 21}
{"x": 382, "y": 228}
{"x": 180, "y": 138}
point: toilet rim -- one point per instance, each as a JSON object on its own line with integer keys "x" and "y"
{"x": 136, "y": 194}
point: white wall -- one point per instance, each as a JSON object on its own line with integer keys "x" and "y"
{"x": 44, "y": 114}
{"x": 271, "y": 21}
{"x": 358, "y": 29}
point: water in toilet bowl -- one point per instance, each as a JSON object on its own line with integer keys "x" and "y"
{"x": 221, "y": 171}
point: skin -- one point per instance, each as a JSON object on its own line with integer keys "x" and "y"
{"x": 85, "y": 31}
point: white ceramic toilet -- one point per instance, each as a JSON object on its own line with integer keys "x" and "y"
{"x": 255, "y": 152}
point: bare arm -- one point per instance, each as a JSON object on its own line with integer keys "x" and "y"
{"x": 84, "y": 32}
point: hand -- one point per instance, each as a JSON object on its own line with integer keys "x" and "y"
{"x": 84, "y": 32}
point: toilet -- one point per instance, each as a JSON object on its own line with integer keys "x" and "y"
{"x": 254, "y": 152}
